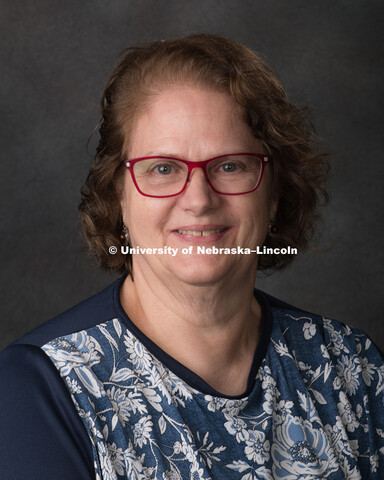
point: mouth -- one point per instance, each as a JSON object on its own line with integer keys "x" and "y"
{"x": 201, "y": 233}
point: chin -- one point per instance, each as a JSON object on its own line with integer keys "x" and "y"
{"x": 201, "y": 271}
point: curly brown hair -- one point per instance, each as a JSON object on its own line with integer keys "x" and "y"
{"x": 212, "y": 62}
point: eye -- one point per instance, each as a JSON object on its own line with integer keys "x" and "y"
{"x": 232, "y": 166}
{"x": 229, "y": 167}
{"x": 163, "y": 169}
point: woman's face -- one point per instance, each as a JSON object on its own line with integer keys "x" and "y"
{"x": 195, "y": 124}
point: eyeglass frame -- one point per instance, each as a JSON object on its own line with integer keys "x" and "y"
{"x": 191, "y": 165}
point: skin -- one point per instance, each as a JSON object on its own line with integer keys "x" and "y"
{"x": 200, "y": 309}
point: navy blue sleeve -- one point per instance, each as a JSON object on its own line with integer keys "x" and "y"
{"x": 41, "y": 435}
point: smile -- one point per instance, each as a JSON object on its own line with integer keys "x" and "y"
{"x": 200, "y": 233}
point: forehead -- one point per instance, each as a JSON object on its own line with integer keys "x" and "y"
{"x": 193, "y": 121}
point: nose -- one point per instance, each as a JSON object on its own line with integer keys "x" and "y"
{"x": 198, "y": 195}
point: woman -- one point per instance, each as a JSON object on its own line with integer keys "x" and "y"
{"x": 180, "y": 369}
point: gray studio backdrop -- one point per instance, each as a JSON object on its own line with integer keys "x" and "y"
{"x": 55, "y": 57}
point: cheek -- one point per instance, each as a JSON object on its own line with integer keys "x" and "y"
{"x": 258, "y": 222}
{"x": 145, "y": 217}
{"x": 133, "y": 204}
{"x": 255, "y": 217}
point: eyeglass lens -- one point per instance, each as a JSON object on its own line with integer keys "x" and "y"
{"x": 167, "y": 176}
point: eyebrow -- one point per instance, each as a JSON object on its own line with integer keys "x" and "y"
{"x": 174, "y": 155}
{"x": 161, "y": 154}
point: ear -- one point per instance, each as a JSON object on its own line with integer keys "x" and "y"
{"x": 122, "y": 206}
{"x": 274, "y": 192}
{"x": 121, "y": 195}
{"x": 274, "y": 207}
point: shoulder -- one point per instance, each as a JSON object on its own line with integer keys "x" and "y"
{"x": 90, "y": 312}
{"x": 335, "y": 365}
{"x": 36, "y": 401}
{"x": 25, "y": 364}
{"x": 307, "y": 333}
{"x": 38, "y": 420}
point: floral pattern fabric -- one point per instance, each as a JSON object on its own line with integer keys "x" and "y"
{"x": 316, "y": 409}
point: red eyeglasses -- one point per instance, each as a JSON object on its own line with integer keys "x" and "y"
{"x": 232, "y": 174}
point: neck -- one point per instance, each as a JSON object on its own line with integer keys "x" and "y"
{"x": 212, "y": 330}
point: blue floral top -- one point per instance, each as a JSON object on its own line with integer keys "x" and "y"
{"x": 313, "y": 409}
